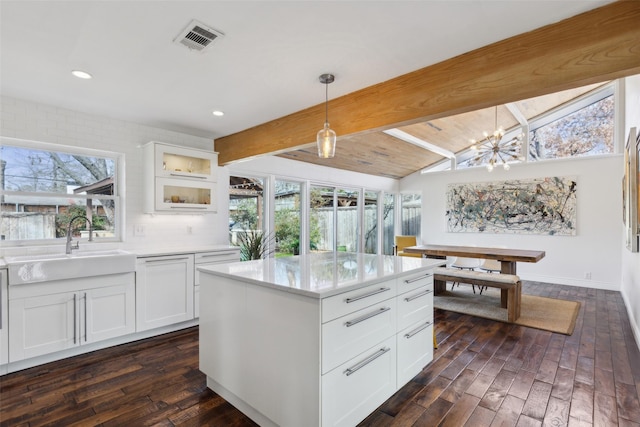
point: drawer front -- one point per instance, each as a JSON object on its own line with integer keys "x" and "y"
{"x": 414, "y": 306}
{"x": 409, "y": 283}
{"x": 356, "y": 388}
{"x": 350, "y": 335}
{"x": 348, "y": 302}
{"x": 415, "y": 350}
{"x": 217, "y": 257}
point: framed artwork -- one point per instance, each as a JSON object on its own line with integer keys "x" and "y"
{"x": 637, "y": 169}
{"x": 544, "y": 206}
{"x": 630, "y": 191}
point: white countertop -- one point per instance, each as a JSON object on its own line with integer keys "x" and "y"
{"x": 321, "y": 275}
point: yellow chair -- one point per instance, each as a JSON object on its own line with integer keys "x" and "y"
{"x": 401, "y": 242}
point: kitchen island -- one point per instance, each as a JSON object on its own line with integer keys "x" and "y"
{"x": 315, "y": 340}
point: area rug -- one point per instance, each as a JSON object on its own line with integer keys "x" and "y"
{"x": 548, "y": 314}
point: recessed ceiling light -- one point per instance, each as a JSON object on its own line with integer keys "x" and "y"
{"x": 218, "y": 113}
{"x": 81, "y": 74}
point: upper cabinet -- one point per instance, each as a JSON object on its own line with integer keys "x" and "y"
{"x": 179, "y": 179}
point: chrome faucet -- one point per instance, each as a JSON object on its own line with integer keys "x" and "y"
{"x": 71, "y": 247}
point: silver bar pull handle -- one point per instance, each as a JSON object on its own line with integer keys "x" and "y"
{"x": 366, "y": 361}
{"x": 370, "y": 294}
{"x": 86, "y": 314}
{"x": 367, "y": 316}
{"x": 75, "y": 318}
{"x": 415, "y": 279}
{"x": 188, "y": 207}
{"x": 421, "y": 294}
{"x": 418, "y": 329}
{"x": 184, "y": 175}
{"x": 217, "y": 255}
{"x": 165, "y": 259}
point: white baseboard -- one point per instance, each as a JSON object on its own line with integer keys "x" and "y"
{"x": 583, "y": 283}
{"x": 634, "y": 322}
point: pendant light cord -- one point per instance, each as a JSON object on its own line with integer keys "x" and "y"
{"x": 326, "y": 103}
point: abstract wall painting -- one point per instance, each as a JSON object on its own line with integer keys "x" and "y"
{"x": 544, "y": 206}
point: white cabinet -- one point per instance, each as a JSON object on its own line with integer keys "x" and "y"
{"x": 415, "y": 325}
{"x": 333, "y": 360}
{"x": 205, "y": 259}
{"x": 164, "y": 290}
{"x": 53, "y": 316}
{"x": 4, "y": 318}
{"x": 357, "y": 387}
{"x": 179, "y": 179}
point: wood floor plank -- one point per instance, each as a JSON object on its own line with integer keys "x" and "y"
{"x": 483, "y": 373}
{"x": 557, "y": 413}
{"x": 536, "y": 404}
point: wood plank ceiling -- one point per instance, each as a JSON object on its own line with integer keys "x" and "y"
{"x": 448, "y": 103}
{"x": 380, "y": 154}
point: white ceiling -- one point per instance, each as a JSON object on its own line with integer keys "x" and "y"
{"x": 265, "y": 67}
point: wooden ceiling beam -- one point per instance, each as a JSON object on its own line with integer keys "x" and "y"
{"x": 598, "y": 45}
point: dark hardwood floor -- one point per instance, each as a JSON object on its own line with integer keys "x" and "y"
{"x": 484, "y": 373}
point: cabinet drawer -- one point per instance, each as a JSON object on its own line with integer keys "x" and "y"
{"x": 414, "y": 306}
{"x": 347, "y": 336}
{"x": 348, "y": 302}
{"x": 356, "y": 388}
{"x": 415, "y": 281}
{"x": 217, "y": 257}
{"x": 415, "y": 350}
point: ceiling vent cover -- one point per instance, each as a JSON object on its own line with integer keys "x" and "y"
{"x": 198, "y": 36}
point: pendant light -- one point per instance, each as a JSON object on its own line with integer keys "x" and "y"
{"x": 326, "y": 138}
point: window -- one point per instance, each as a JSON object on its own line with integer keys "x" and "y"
{"x": 370, "y": 222}
{"x": 388, "y": 212}
{"x": 583, "y": 126}
{"x": 321, "y": 235}
{"x": 287, "y": 213}
{"x": 42, "y": 186}
{"x": 587, "y": 131}
{"x": 246, "y": 206}
{"x": 411, "y": 212}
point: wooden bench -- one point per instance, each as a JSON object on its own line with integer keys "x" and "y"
{"x": 509, "y": 284}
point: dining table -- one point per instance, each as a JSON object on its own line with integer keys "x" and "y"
{"x": 508, "y": 257}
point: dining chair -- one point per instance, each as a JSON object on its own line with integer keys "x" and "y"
{"x": 401, "y": 242}
{"x": 491, "y": 265}
{"x": 466, "y": 264}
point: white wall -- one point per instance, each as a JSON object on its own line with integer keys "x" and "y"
{"x": 593, "y": 250}
{"x": 286, "y": 168}
{"x": 631, "y": 261}
{"x": 37, "y": 122}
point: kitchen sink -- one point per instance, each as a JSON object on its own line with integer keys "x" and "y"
{"x": 60, "y": 266}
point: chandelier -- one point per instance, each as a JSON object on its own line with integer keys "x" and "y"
{"x": 493, "y": 151}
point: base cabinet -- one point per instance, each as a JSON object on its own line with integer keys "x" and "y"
{"x": 43, "y": 323}
{"x": 164, "y": 290}
{"x": 359, "y": 386}
{"x": 332, "y": 360}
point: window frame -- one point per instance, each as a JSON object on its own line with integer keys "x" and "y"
{"x": 118, "y": 188}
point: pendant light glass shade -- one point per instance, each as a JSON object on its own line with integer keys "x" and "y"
{"x": 326, "y": 140}
{"x": 326, "y": 137}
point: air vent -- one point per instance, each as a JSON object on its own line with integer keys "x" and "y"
{"x": 198, "y": 36}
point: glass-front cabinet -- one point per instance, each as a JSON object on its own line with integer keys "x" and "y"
{"x": 181, "y": 162}
{"x": 182, "y": 195}
{"x": 183, "y": 179}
